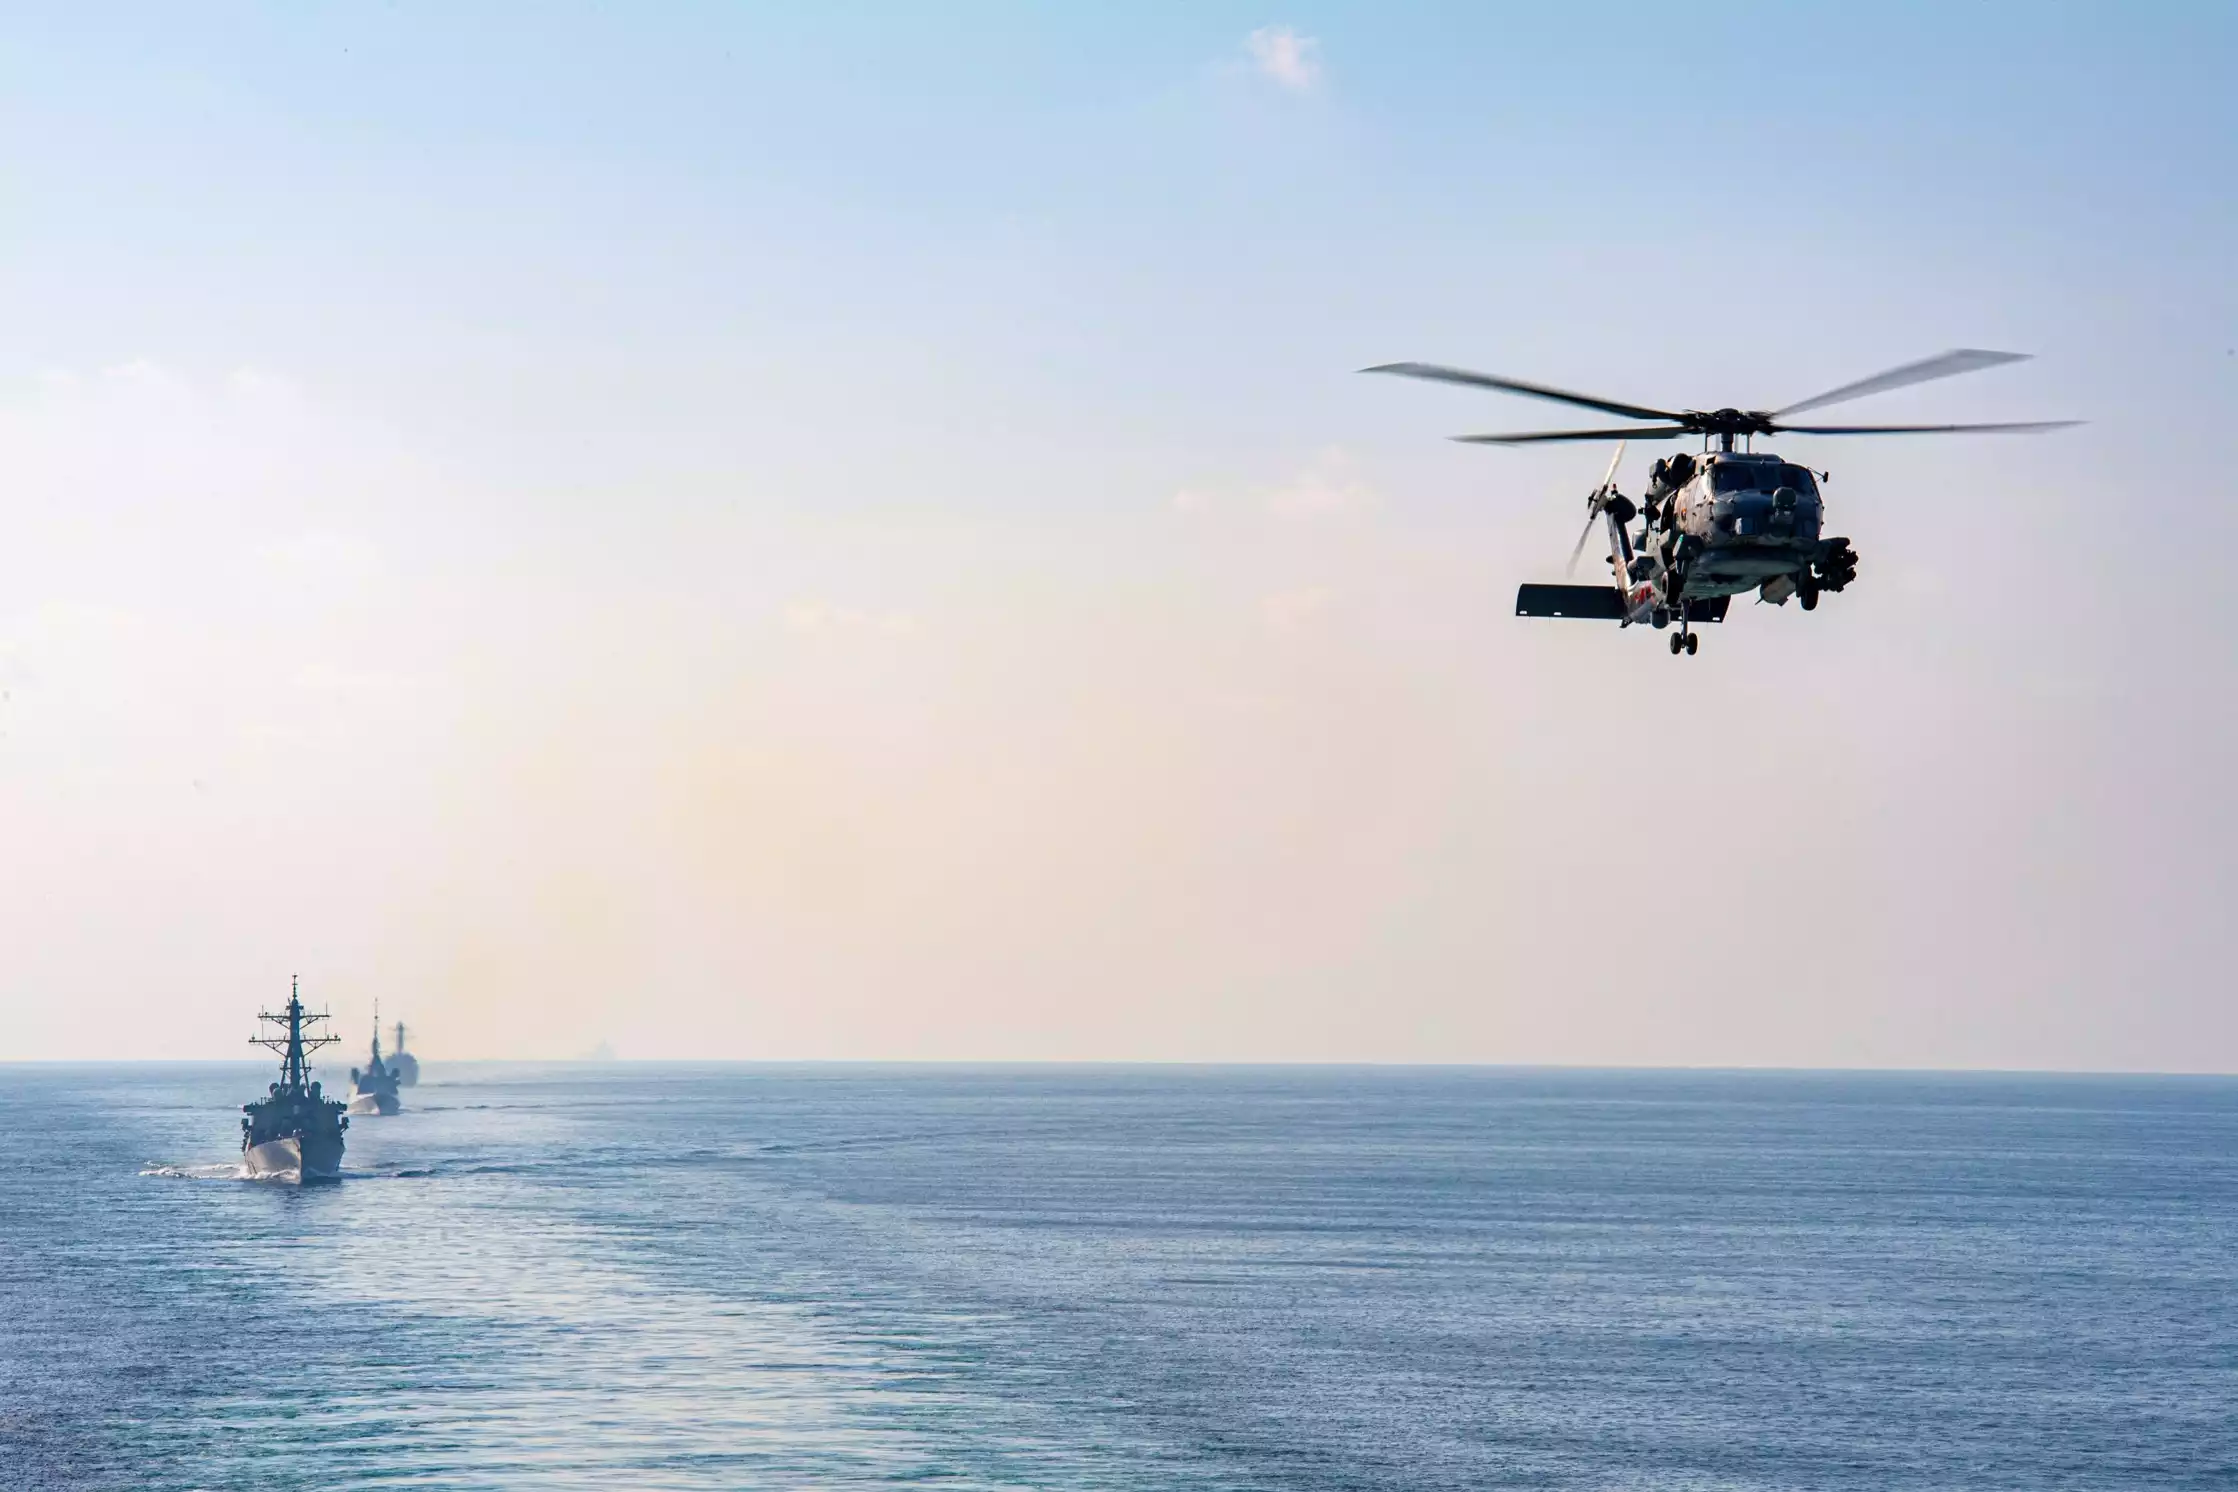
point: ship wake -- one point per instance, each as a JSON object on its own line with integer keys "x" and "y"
{"x": 224, "y": 1171}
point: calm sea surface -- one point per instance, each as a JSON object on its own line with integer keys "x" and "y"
{"x": 687, "y": 1277}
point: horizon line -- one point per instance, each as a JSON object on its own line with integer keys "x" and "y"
{"x": 1184, "y": 1062}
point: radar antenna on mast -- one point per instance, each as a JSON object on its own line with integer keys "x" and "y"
{"x": 293, "y": 1047}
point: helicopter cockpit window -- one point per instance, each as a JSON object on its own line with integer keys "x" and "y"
{"x": 1734, "y": 476}
{"x": 1799, "y": 478}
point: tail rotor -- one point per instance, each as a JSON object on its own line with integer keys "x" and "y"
{"x": 1597, "y": 502}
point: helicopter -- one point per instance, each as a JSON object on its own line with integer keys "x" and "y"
{"x": 1716, "y": 525}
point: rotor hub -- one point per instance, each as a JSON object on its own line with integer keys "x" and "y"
{"x": 1727, "y": 422}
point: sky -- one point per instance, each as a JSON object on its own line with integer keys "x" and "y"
{"x": 851, "y": 532}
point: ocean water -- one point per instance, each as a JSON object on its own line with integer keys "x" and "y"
{"x": 1056, "y": 1277}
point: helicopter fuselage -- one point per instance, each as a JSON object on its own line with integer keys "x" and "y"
{"x": 1710, "y": 529}
{"x": 1742, "y": 520}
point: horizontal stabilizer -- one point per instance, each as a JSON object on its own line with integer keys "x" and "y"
{"x": 1600, "y": 603}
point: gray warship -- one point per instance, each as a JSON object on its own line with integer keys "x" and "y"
{"x": 373, "y": 1087}
{"x": 294, "y": 1131}
{"x": 403, "y": 1063}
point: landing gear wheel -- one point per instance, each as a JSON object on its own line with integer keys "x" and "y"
{"x": 1808, "y": 595}
{"x": 1678, "y": 643}
{"x": 1693, "y": 643}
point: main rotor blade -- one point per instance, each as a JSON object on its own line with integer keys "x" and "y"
{"x": 1439, "y": 374}
{"x": 1533, "y": 437}
{"x": 2008, "y": 426}
{"x": 1942, "y": 365}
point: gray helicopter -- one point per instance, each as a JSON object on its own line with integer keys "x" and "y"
{"x": 1718, "y": 524}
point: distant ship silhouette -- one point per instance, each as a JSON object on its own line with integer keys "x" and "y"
{"x": 403, "y": 1063}
{"x": 373, "y": 1087}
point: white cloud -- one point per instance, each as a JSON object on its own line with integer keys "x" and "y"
{"x": 1330, "y": 485}
{"x": 1283, "y": 55}
{"x": 812, "y": 618}
{"x": 322, "y": 559}
{"x": 245, "y": 449}
{"x": 1287, "y": 612}
{"x": 322, "y": 677}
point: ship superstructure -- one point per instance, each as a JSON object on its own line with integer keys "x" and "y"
{"x": 373, "y": 1086}
{"x": 294, "y": 1131}
{"x": 403, "y": 1063}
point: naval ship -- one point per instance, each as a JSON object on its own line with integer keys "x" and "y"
{"x": 294, "y": 1130}
{"x": 373, "y": 1087}
{"x": 403, "y": 1063}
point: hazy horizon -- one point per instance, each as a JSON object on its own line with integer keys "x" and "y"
{"x": 781, "y": 536}
{"x": 457, "y": 1064}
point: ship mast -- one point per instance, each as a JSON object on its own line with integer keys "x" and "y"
{"x": 295, "y": 1066}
